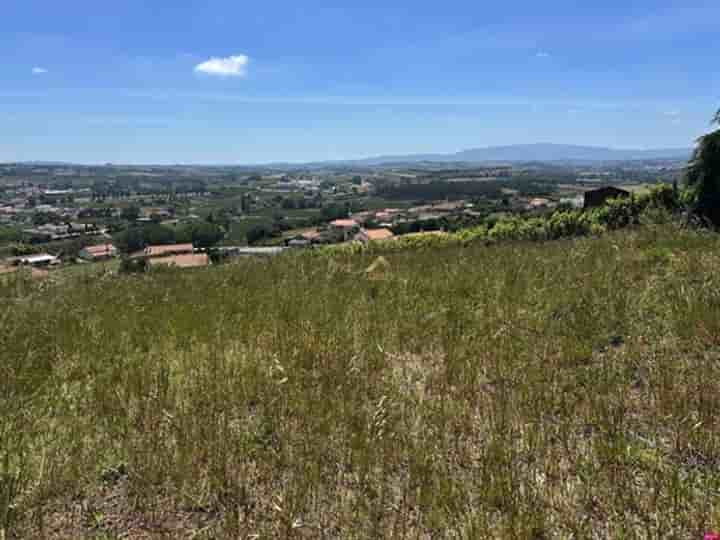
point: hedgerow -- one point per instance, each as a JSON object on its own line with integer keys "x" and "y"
{"x": 615, "y": 214}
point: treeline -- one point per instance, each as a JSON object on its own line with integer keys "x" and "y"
{"x": 441, "y": 189}
{"x": 200, "y": 234}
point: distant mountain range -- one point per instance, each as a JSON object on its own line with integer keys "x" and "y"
{"x": 541, "y": 152}
{"x": 534, "y": 152}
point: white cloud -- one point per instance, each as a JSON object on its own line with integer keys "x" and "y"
{"x": 39, "y": 70}
{"x": 232, "y": 66}
{"x": 542, "y": 54}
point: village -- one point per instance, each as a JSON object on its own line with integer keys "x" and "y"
{"x": 46, "y": 230}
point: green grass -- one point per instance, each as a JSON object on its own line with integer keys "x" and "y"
{"x": 87, "y": 270}
{"x": 566, "y": 389}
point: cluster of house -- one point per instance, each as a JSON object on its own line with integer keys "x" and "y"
{"x": 389, "y": 217}
{"x": 340, "y": 230}
{"x": 50, "y": 232}
{"x": 40, "y": 262}
{"x": 374, "y": 225}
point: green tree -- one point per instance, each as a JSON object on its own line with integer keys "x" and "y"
{"x": 200, "y": 234}
{"x": 136, "y": 238}
{"x": 257, "y": 233}
{"x": 133, "y": 266}
{"x": 130, "y": 213}
{"x": 130, "y": 240}
{"x": 703, "y": 175}
{"x": 334, "y": 211}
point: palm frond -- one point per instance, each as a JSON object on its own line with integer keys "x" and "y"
{"x": 716, "y": 118}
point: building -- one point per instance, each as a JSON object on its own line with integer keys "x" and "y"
{"x": 40, "y": 260}
{"x": 370, "y": 235}
{"x": 242, "y": 251}
{"x": 56, "y": 194}
{"x": 164, "y": 251}
{"x": 98, "y": 253}
{"x": 344, "y": 228}
{"x": 155, "y": 213}
{"x": 598, "y": 197}
{"x": 304, "y": 238}
{"x": 186, "y": 260}
{"x": 538, "y": 202}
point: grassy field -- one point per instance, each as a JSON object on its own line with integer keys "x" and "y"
{"x": 86, "y": 270}
{"x": 567, "y": 389}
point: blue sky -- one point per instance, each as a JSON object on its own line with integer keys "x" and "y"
{"x": 222, "y": 81}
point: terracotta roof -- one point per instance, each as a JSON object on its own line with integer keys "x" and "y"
{"x": 424, "y": 233}
{"x": 379, "y": 234}
{"x": 449, "y": 206}
{"x": 344, "y": 223}
{"x": 182, "y": 261}
{"x": 102, "y": 249}
{"x": 311, "y": 235}
{"x": 159, "y": 251}
{"x": 539, "y": 201}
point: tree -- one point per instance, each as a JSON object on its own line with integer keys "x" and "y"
{"x": 130, "y": 213}
{"x": 703, "y": 175}
{"x": 334, "y": 211}
{"x": 133, "y": 266}
{"x": 257, "y": 233}
{"x": 136, "y": 238}
{"x": 131, "y": 240}
{"x": 200, "y": 234}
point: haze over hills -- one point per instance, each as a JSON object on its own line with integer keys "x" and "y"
{"x": 540, "y": 152}
{"x": 535, "y": 152}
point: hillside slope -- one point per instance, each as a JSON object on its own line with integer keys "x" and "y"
{"x": 566, "y": 389}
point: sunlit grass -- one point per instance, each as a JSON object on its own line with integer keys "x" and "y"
{"x": 565, "y": 389}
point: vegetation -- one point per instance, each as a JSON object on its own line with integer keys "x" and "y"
{"x": 440, "y": 189}
{"x": 9, "y": 235}
{"x": 519, "y": 390}
{"x": 202, "y": 234}
{"x": 704, "y": 175}
{"x": 657, "y": 205}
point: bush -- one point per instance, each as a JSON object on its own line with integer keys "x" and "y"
{"x": 133, "y": 266}
{"x": 200, "y": 234}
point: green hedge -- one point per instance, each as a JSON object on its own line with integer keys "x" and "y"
{"x": 616, "y": 214}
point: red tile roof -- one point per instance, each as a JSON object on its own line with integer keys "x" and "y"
{"x": 344, "y": 223}
{"x": 182, "y": 261}
{"x": 159, "y": 251}
{"x": 311, "y": 235}
{"x": 379, "y": 234}
{"x": 102, "y": 249}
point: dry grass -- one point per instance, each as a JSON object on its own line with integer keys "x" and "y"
{"x": 559, "y": 390}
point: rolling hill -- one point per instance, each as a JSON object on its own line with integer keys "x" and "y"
{"x": 536, "y": 152}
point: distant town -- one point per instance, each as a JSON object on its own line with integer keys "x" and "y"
{"x": 57, "y": 218}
